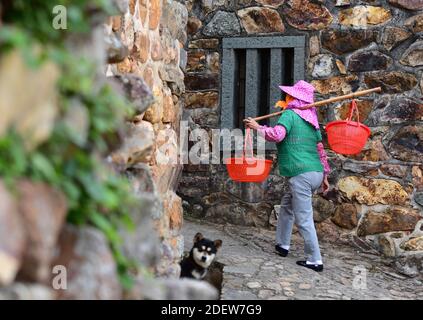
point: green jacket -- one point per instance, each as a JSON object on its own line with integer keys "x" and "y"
{"x": 297, "y": 153}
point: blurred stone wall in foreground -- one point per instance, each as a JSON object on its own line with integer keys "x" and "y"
{"x": 139, "y": 53}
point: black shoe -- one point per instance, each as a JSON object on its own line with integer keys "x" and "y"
{"x": 315, "y": 267}
{"x": 281, "y": 251}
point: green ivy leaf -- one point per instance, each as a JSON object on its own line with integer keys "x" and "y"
{"x": 43, "y": 168}
{"x": 13, "y": 158}
{"x": 127, "y": 281}
{"x": 128, "y": 222}
{"x": 104, "y": 225}
{"x": 72, "y": 192}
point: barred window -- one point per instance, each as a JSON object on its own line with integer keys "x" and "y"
{"x": 252, "y": 70}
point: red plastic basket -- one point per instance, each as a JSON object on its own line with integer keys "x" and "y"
{"x": 248, "y": 169}
{"x": 346, "y": 136}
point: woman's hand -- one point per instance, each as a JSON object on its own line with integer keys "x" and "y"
{"x": 251, "y": 123}
{"x": 325, "y": 185}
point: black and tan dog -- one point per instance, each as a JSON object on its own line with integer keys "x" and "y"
{"x": 200, "y": 258}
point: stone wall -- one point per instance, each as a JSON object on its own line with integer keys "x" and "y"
{"x": 351, "y": 45}
{"x": 153, "y": 33}
{"x": 140, "y": 52}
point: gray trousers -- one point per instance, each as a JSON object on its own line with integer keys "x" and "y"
{"x": 297, "y": 205}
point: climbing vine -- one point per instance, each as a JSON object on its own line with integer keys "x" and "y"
{"x": 66, "y": 161}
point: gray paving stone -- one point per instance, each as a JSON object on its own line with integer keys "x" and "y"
{"x": 265, "y": 294}
{"x": 241, "y": 268}
{"x": 239, "y": 295}
{"x": 252, "y": 270}
{"x": 254, "y": 285}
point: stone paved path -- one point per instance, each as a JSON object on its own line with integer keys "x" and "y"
{"x": 253, "y": 271}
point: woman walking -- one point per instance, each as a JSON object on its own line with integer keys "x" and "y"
{"x": 302, "y": 159}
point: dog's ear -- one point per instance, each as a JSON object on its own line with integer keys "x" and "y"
{"x": 198, "y": 237}
{"x": 217, "y": 243}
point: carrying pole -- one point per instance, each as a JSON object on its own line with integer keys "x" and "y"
{"x": 323, "y": 102}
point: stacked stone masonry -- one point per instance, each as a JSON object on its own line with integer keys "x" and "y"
{"x": 140, "y": 52}
{"x": 351, "y": 45}
{"x": 154, "y": 34}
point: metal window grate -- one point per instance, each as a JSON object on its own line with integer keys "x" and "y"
{"x": 252, "y": 69}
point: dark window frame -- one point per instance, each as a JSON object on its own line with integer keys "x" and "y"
{"x": 279, "y": 47}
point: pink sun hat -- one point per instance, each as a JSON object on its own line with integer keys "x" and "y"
{"x": 302, "y": 90}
